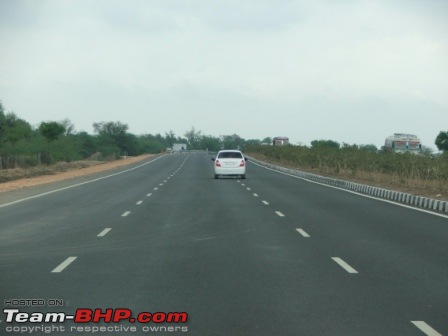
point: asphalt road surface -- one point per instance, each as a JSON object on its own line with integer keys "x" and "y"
{"x": 269, "y": 255}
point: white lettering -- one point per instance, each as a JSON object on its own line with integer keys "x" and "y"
{"x": 10, "y": 314}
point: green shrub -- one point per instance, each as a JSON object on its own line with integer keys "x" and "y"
{"x": 353, "y": 159}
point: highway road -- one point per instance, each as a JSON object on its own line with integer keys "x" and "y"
{"x": 269, "y": 255}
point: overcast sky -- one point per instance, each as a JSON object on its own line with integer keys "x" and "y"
{"x": 353, "y": 71}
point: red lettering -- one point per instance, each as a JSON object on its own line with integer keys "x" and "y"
{"x": 83, "y": 315}
{"x": 158, "y": 317}
{"x": 144, "y": 317}
{"x": 106, "y": 316}
{"x": 121, "y": 314}
{"x": 177, "y": 317}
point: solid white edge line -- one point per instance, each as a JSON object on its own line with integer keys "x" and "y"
{"x": 344, "y": 265}
{"x": 125, "y": 214}
{"x": 303, "y": 233}
{"x": 64, "y": 264}
{"x": 356, "y": 193}
{"x": 104, "y": 232}
{"x": 280, "y": 214}
{"x": 79, "y": 184}
{"x": 426, "y": 328}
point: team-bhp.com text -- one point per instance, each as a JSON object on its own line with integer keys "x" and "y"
{"x": 85, "y": 315}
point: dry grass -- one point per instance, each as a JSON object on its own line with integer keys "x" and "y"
{"x": 18, "y": 178}
{"x": 437, "y": 189}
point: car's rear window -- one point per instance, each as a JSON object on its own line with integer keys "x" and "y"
{"x": 230, "y": 155}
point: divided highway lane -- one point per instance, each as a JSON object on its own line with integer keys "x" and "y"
{"x": 269, "y": 255}
{"x": 399, "y": 255}
{"x": 38, "y": 234}
{"x": 53, "y": 221}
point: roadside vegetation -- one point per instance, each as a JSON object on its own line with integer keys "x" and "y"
{"x": 25, "y": 146}
{"x": 409, "y": 172}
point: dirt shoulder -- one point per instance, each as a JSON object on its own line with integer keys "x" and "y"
{"x": 19, "y": 178}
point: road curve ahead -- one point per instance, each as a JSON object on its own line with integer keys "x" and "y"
{"x": 269, "y": 255}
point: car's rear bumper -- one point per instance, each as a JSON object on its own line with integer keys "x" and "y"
{"x": 230, "y": 171}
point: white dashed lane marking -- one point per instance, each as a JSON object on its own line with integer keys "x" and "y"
{"x": 104, "y": 232}
{"x": 265, "y": 203}
{"x": 256, "y": 195}
{"x": 426, "y": 328}
{"x": 280, "y": 214}
{"x": 125, "y": 214}
{"x": 344, "y": 265}
{"x": 148, "y": 195}
{"x": 303, "y": 233}
{"x": 139, "y": 202}
{"x": 63, "y": 265}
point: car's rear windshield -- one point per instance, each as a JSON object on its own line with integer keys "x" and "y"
{"x": 230, "y": 155}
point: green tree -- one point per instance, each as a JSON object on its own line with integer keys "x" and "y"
{"x": 87, "y": 144}
{"x": 233, "y": 141}
{"x": 15, "y": 129}
{"x": 149, "y": 143}
{"x": 267, "y": 140}
{"x": 68, "y": 125}
{"x": 115, "y": 129}
{"x": 51, "y": 130}
{"x": 170, "y": 138}
{"x": 211, "y": 143}
{"x": 193, "y": 138}
{"x": 112, "y": 135}
{"x": 442, "y": 141}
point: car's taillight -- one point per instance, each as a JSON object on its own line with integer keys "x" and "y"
{"x": 242, "y": 163}
{"x": 217, "y": 163}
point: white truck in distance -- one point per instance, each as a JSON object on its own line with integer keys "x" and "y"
{"x": 179, "y": 147}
